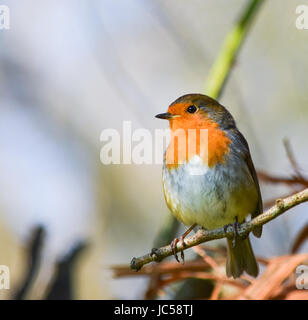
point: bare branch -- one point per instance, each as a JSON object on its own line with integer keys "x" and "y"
{"x": 291, "y": 157}
{"x": 295, "y": 180}
{"x": 202, "y": 235}
{"x": 300, "y": 239}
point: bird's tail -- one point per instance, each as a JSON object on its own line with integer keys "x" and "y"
{"x": 241, "y": 258}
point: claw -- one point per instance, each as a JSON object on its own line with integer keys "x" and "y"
{"x": 235, "y": 226}
{"x": 174, "y": 249}
{"x": 182, "y": 251}
{"x": 181, "y": 239}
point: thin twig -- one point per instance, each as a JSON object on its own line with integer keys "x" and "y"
{"x": 291, "y": 158}
{"x": 280, "y": 179}
{"x": 204, "y": 276}
{"x": 207, "y": 259}
{"x": 271, "y": 202}
{"x": 300, "y": 239}
{"x": 162, "y": 268}
{"x": 216, "y": 291}
{"x": 281, "y": 206}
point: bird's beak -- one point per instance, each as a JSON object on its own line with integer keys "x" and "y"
{"x": 166, "y": 115}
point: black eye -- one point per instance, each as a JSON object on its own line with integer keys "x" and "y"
{"x": 191, "y": 109}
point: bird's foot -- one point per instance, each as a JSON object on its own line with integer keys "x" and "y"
{"x": 173, "y": 244}
{"x": 235, "y": 226}
{"x": 182, "y": 241}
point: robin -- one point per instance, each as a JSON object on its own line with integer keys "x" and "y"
{"x": 213, "y": 184}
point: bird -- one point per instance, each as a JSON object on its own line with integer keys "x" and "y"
{"x": 209, "y": 179}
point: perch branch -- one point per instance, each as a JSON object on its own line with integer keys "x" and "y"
{"x": 281, "y": 206}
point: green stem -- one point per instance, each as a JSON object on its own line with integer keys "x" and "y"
{"x": 230, "y": 48}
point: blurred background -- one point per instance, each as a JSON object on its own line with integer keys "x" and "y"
{"x": 69, "y": 69}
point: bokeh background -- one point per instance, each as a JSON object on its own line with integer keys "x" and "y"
{"x": 69, "y": 69}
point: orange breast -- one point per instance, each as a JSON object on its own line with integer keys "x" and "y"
{"x": 201, "y": 137}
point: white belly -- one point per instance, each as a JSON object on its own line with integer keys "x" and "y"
{"x": 210, "y": 197}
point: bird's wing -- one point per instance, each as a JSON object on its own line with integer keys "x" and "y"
{"x": 247, "y": 157}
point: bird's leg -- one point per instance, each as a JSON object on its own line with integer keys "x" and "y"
{"x": 173, "y": 244}
{"x": 235, "y": 225}
{"x": 181, "y": 239}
